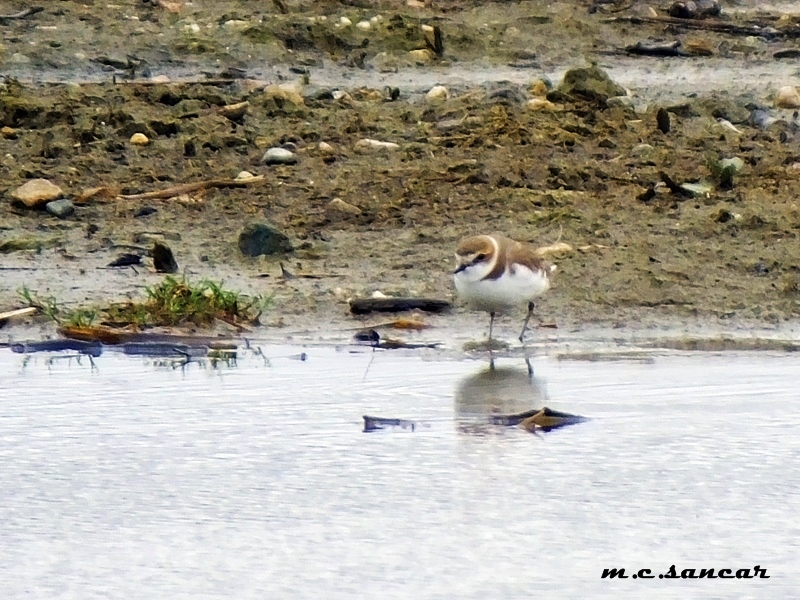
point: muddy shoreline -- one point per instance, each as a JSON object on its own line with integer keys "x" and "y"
{"x": 483, "y": 159}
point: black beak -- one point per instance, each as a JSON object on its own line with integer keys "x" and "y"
{"x": 460, "y": 268}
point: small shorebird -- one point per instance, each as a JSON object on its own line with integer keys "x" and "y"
{"x": 496, "y": 274}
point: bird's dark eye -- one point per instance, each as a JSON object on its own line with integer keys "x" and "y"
{"x": 480, "y": 257}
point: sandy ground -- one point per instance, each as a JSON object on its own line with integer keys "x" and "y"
{"x": 480, "y": 161}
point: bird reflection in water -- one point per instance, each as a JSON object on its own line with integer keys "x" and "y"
{"x": 496, "y": 398}
{"x": 496, "y": 391}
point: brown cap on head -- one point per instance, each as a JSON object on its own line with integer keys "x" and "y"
{"x": 477, "y": 244}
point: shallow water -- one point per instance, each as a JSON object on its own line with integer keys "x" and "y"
{"x": 134, "y": 478}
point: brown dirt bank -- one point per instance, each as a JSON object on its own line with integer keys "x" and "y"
{"x": 480, "y": 161}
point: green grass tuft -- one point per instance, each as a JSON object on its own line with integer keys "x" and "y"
{"x": 177, "y": 302}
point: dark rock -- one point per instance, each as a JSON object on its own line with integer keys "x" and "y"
{"x": 61, "y": 208}
{"x": 685, "y": 110}
{"x": 730, "y": 109}
{"x": 691, "y": 9}
{"x": 590, "y": 83}
{"x": 258, "y": 239}
{"x": 163, "y": 259}
{"x": 144, "y": 211}
{"x": 662, "y": 120}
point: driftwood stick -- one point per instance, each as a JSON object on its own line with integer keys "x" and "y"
{"x": 18, "y": 313}
{"x": 362, "y": 306}
{"x": 21, "y": 14}
{"x": 188, "y": 188}
{"x": 712, "y": 25}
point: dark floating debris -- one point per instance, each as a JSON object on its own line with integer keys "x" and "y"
{"x": 656, "y": 49}
{"x": 540, "y": 419}
{"x": 788, "y": 53}
{"x": 111, "y": 337}
{"x": 368, "y": 336}
{"x": 362, "y": 306}
{"x": 380, "y": 423}
{"x": 126, "y": 260}
{"x": 90, "y": 348}
{"x": 373, "y": 338}
{"x": 163, "y": 349}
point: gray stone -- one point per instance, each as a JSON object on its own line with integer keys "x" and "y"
{"x": 60, "y": 208}
{"x": 279, "y": 156}
{"x": 258, "y": 239}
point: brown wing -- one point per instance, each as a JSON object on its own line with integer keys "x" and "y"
{"x": 525, "y": 255}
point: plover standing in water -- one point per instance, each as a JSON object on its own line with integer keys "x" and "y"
{"x": 496, "y": 274}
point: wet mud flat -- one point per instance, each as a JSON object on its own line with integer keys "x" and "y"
{"x": 593, "y": 167}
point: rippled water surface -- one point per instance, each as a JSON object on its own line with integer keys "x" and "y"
{"x": 133, "y": 479}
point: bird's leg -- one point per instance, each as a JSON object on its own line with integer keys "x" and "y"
{"x": 530, "y": 367}
{"x": 491, "y": 324}
{"x": 525, "y": 323}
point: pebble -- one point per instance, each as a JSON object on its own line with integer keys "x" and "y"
{"x": 279, "y": 156}
{"x": 244, "y": 176}
{"x": 370, "y": 144}
{"x": 422, "y": 55}
{"x": 257, "y": 239}
{"x": 345, "y": 22}
{"x": 234, "y": 112}
{"x": 326, "y": 148}
{"x": 539, "y": 104}
{"x": 60, "y": 208}
{"x": 35, "y": 192}
{"x": 340, "y": 206}
{"x": 364, "y": 25}
{"x": 641, "y": 149}
{"x": 787, "y": 97}
{"x": 139, "y": 139}
{"x": 235, "y": 24}
{"x": 540, "y": 87}
{"x": 437, "y": 94}
{"x": 19, "y": 59}
{"x": 735, "y": 164}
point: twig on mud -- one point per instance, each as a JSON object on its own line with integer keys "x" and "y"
{"x": 553, "y": 248}
{"x": 188, "y": 188}
{"x": 711, "y": 25}
{"x": 21, "y": 14}
{"x": 18, "y": 313}
{"x": 216, "y": 81}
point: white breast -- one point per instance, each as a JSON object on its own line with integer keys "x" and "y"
{"x": 509, "y": 290}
